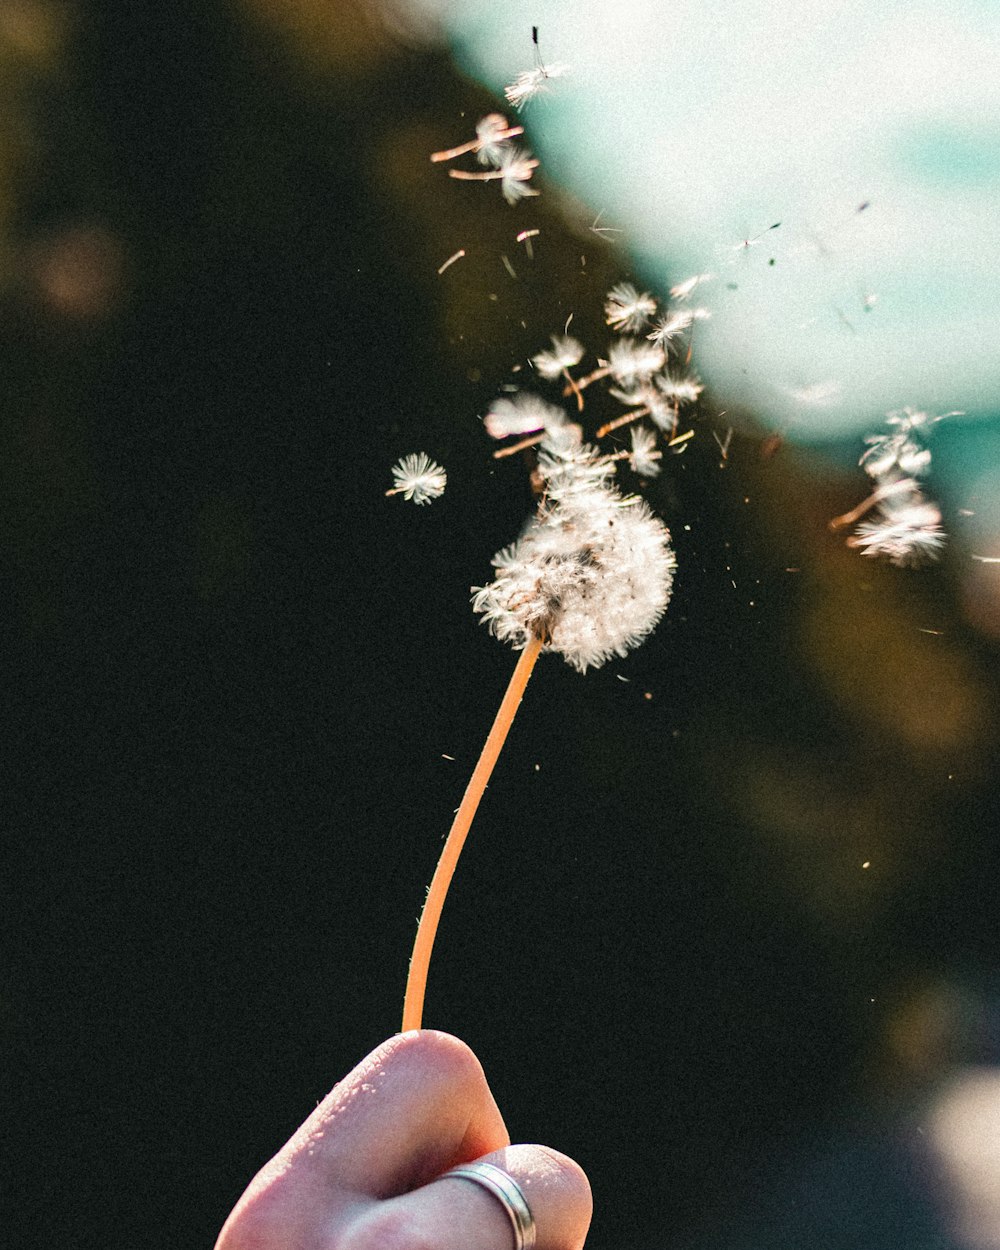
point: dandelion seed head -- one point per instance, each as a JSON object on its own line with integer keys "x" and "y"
{"x": 628, "y": 310}
{"x": 593, "y": 571}
{"x": 419, "y": 478}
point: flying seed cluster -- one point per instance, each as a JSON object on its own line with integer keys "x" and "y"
{"x": 904, "y": 526}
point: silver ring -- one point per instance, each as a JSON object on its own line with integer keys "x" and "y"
{"x": 503, "y": 1186}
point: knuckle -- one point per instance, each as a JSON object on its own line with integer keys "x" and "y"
{"x": 442, "y": 1056}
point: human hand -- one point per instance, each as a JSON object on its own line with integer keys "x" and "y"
{"x": 365, "y": 1170}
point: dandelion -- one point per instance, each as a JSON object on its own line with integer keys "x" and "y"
{"x": 626, "y": 310}
{"x": 589, "y": 578}
{"x": 525, "y": 413}
{"x": 643, "y": 456}
{"x": 532, "y": 82}
{"x": 591, "y": 575}
{"x": 419, "y": 478}
{"x": 663, "y": 411}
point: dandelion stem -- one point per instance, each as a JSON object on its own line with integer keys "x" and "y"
{"x": 466, "y": 175}
{"x": 531, "y": 441}
{"x": 416, "y": 982}
{"x": 574, "y": 387}
{"x": 475, "y": 144}
{"x": 632, "y": 415}
{"x": 866, "y": 505}
{"x": 571, "y": 383}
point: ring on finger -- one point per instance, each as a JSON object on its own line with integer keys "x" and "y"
{"x": 503, "y": 1187}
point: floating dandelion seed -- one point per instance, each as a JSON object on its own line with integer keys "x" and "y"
{"x": 419, "y": 478}
{"x": 533, "y": 82}
{"x": 907, "y": 536}
{"x": 684, "y": 290}
{"x": 516, "y": 168}
{"x": 678, "y": 388}
{"x": 897, "y": 452}
{"x": 492, "y": 132}
{"x": 566, "y": 353}
{"x": 671, "y": 325}
{"x": 906, "y": 528}
{"x": 629, "y": 363}
{"x": 451, "y": 260}
{"x": 627, "y": 310}
{"x": 644, "y": 458}
{"x": 513, "y": 173}
{"x": 521, "y": 413}
{"x": 630, "y": 360}
{"x": 603, "y": 231}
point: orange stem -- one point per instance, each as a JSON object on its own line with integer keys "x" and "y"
{"x": 416, "y": 981}
{"x": 866, "y": 505}
{"x": 575, "y": 386}
{"x": 632, "y": 415}
{"x": 571, "y": 382}
{"x": 475, "y": 144}
{"x": 531, "y": 441}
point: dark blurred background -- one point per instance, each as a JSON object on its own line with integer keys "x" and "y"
{"x": 727, "y": 901}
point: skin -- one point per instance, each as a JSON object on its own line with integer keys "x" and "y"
{"x": 365, "y": 1169}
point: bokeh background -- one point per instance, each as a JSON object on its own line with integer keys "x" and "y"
{"x": 728, "y": 917}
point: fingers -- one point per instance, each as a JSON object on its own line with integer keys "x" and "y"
{"x": 452, "y": 1213}
{"x": 364, "y": 1172}
{"x": 416, "y": 1106}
